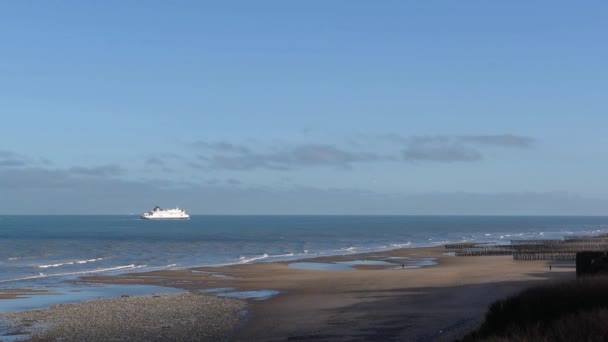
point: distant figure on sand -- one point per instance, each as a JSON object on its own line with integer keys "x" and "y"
{"x": 550, "y": 267}
{"x": 402, "y": 266}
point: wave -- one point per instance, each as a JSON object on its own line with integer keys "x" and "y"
{"x": 442, "y": 242}
{"x": 286, "y": 255}
{"x": 69, "y": 263}
{"x": 401, "y": 245}
{"x": 109, "y": 269}
{"x": 244, "y": 260}
{"x": 166, "y": 267}
{"x": 231, "y": 257}
{"x": 64, "y": 274}
{"x": 281, "y": 255}
{"x": 56, "y": 265}
{"x": 88, "y": 261}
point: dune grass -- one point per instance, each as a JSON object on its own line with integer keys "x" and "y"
{"x": 569, "y": 311}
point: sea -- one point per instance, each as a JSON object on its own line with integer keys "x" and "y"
{"x": 49, "y": 252}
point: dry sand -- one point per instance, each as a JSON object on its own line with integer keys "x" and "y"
{"x": 373, "y": 303}
{"x": 434, "y": 303}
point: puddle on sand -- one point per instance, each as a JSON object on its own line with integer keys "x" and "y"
{"x": 223, "y": 276}
{"x": 320, "y": 266}
{"x": 348, "y": 265}
{"x": 255, "y": 295}
{"x": 80, "y": 293}
{"x": 417, "y": 263}
{"x": 232, "y": 293}
{"x": 212, "y": 274}
{"x": 219, "y": 289}
{"x": 365, "y": 262}
{"x": 13, "y": 334}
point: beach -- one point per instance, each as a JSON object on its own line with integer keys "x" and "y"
{"x": 383, "y": 296}
{"x": 183, "y": 317}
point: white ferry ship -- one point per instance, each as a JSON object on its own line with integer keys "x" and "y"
{"x": 165, "y": 214}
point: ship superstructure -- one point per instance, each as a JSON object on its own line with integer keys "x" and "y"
{"x": 165, "y": 214}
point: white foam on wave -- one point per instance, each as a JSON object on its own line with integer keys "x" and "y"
{"x": 281, "y": 255}
{"x": 56, "y": 265}
{"x": 442, "y": 242}
{"x": 88, "y": 261}
{"x": 109, "y": 269}
{"x": 64, "y": 274}
{"x": 244, "y": 260}
{"x": 69, "y": 263}
{"x": 155, "y": 268}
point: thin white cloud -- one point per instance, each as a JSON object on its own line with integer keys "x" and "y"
{"x": 238, "y": 157}
{"x": 449, "y": 149}
{"x": 99, "y": 171}
{"x": 446, "y": 154}
{"x": 12, "y": 159}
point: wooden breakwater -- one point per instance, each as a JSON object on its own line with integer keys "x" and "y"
{"x": 562, "y": 250}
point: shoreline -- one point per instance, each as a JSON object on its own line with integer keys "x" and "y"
{"x": 437, "y": 302}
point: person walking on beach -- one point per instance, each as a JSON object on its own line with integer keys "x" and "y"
{"x": 402, "y": 266}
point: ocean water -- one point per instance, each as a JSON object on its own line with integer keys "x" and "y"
{"x": 44, "y": 251}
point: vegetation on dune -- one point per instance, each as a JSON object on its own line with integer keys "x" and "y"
{"x": 570, "y": 311}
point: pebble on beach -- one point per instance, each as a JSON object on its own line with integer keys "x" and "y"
{"x": 183, "y": 317}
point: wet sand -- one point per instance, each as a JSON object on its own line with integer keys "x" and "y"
{"x": 374, "y": 302}
{"x": 20, "y": 293}
{"x": 371, "y": 302}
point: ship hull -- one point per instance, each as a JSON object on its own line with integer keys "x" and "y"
{"x": 163, "y": 218}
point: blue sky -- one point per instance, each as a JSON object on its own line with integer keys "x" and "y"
{"x": 316, "y": 107}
